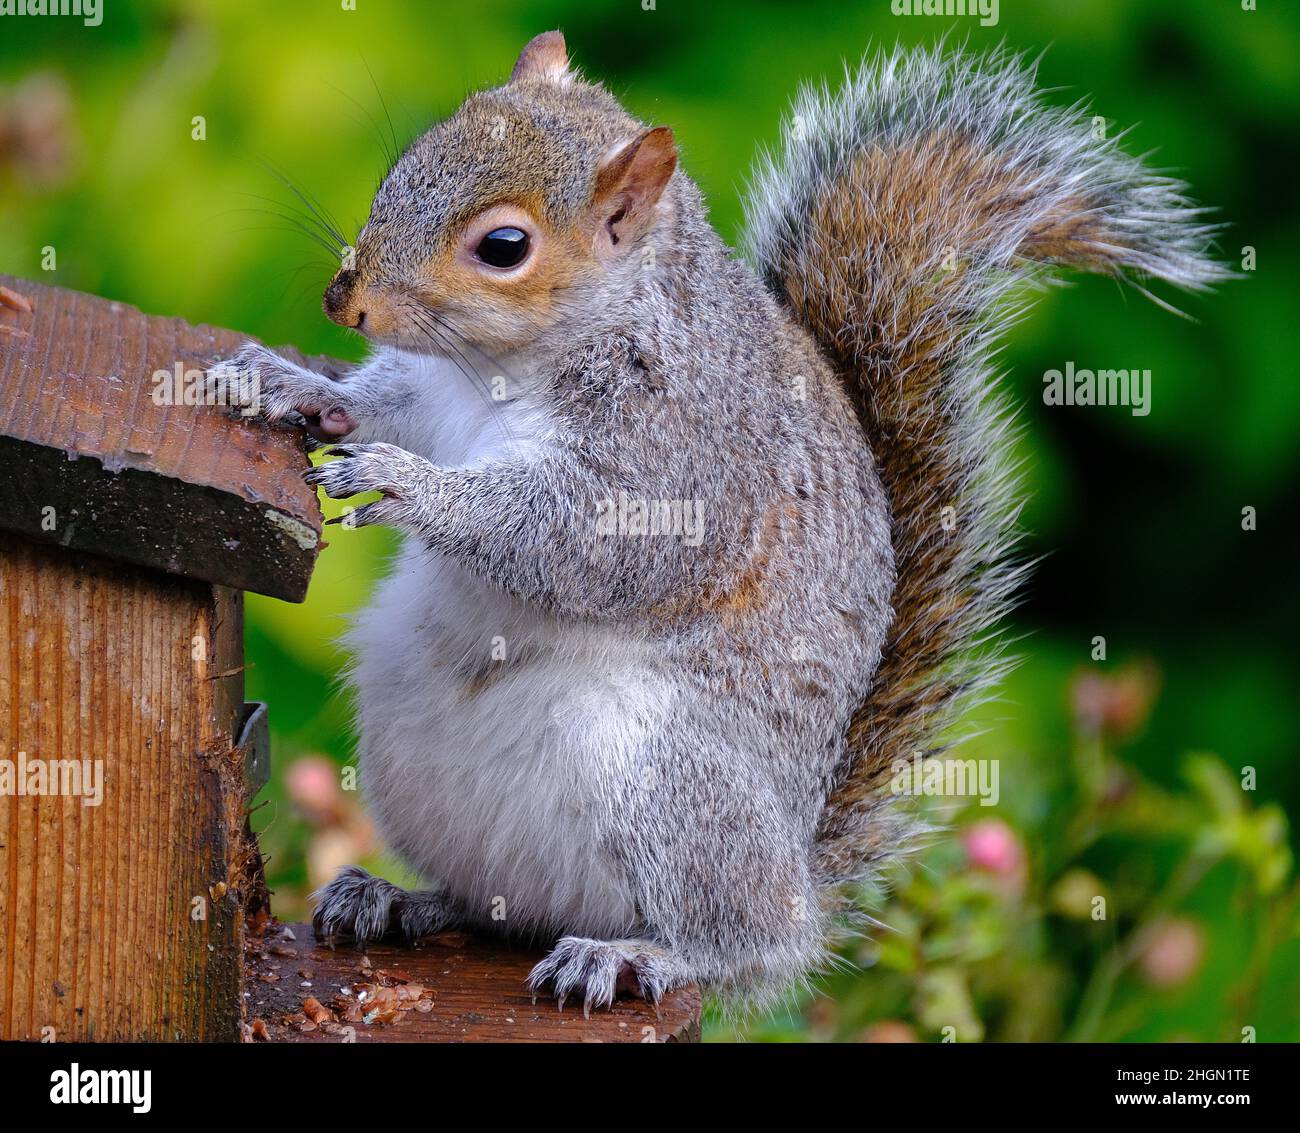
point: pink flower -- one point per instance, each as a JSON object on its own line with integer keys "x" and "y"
{"x": 1116, "y": 704}
{"x": 992, "y": 846}
{"x": 1172, "y": 952}
{"x": 313, "y": 785}
{"x": 889, "y": 1031}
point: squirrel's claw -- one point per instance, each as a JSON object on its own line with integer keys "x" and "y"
{"x": 401, "y": 477}
{"x": 601, "y": 970}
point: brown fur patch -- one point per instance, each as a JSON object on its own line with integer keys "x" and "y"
{"x": 751, "y": 588}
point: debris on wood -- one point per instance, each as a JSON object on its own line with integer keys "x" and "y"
{"x": 382, "y": 998}
{"x": 14, "y": 300}
{"x": 469, "y": 989}
{"x": 313, "y": 1016}
{"x": 316, "y": 1011}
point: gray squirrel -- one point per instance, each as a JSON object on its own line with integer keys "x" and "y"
{"x": 717, "y": 542}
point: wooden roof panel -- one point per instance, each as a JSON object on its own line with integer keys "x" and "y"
{"x": 188, "y": 489}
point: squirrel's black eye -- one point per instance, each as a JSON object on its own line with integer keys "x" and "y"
{"x": 503, "y": 247}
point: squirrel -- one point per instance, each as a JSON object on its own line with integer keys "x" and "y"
{"x": 695, "y": 547}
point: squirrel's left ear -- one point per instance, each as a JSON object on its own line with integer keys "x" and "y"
{"x": 630, "y": 182}
{"x": 543, "y": 57}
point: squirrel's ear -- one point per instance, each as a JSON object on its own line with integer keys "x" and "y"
{"x": 543, "y": 57}
{"x": 630, "y": 182}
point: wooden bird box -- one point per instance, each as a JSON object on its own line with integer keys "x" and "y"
{"x": 130, "y": 524}
{"x": 131, "y": 521}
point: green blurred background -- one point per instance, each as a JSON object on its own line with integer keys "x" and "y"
{"x": 1121, "y": 779}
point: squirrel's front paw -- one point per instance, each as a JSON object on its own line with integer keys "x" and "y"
{"x": 403, "y": 479}
{"x": 601, "y": 969}
{"x": 258, "y": 381}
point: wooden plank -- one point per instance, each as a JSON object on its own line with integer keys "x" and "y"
{"x": 93, "y": 463}
{"x": 470, "y": 989}
{"x": 98, "y": 941}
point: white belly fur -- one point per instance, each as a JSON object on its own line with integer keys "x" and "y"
{"x": 492, "y": 787}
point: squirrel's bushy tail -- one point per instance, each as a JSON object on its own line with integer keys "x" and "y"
{"x": 897, "y": 220}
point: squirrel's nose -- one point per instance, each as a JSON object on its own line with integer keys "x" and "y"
{"x": 338, "y": 294}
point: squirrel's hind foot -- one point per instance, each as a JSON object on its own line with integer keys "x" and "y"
{"x": 368, "y": 908}
{"x": 602, "y": 969}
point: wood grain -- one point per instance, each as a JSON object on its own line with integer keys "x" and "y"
{"x": 100, "y": 660}
{"x": 94, "y": 464}
{"x": 475, "y": 985}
